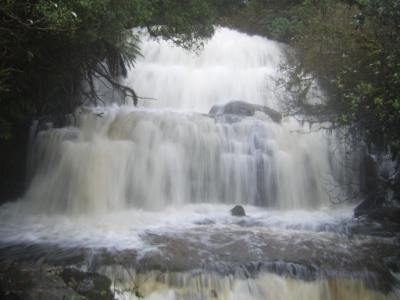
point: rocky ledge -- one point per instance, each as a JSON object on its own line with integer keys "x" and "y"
{"x": 242, "y": 108}
{"x": 29, "y": 282}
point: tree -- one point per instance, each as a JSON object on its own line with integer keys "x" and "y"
{"x": 352, "y": 51}
{"x": 52, "y": 51}
{"x": 351, "y": 48}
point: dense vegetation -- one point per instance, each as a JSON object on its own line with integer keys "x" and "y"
{"x": 52, "y": 51}
{"x": 351, "y": 48}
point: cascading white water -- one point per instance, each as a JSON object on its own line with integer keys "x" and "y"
{"x": 155, "y": 183}
{"x": 232, "y": 66}
{"x": 151, "y": 159}
{"x": 155, "y": 159}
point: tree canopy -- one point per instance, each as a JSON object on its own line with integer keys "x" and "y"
{"x": 349, "y": 47}
{"x": 52, "y": 51}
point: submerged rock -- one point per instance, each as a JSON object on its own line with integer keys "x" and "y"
{"x": 238, "y": 211}
{"x": 242, "y": 108}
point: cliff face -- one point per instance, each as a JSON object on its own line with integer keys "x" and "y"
{"x": 13, "y": 153}
{"x": 380, "y": 186}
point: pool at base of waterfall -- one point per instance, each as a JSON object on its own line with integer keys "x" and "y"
{"x": 200, "y": 251}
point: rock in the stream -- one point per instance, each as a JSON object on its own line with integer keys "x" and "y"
{"x": 242, "y": 108}
{"x": 380, "y": 214}
{"x": 25, "y": 282}
{"x": 31, "y": 282}
{"x": 238, "y": 211}
{"x": 90, "y": 285}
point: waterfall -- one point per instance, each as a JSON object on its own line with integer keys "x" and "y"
{"x": 232, "y": 66}
{"x": 171, "y": 152}
{"x": 142, "y": 194}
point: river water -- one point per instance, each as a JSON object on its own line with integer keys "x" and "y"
{"x": 142, "y": 194}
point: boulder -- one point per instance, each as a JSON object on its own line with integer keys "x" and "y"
{"x": 90, "y": 285}
{"x": 242, "y": 108}
{"x": 238, "y": 211}
{"x": 239, "y": 108}
{"x": 24, "y": 281}
{"x": 29, "y": 282}
{"x": 381, "y": 214}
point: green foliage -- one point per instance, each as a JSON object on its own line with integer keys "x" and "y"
{"x": 351, "y": 49}
{"x": 181, "y": 21}
{"x": 53, "y": 50}
{"x": 283, "y": 28}
{"x": 366, "y": 86}
{"x": 270, "y": 18}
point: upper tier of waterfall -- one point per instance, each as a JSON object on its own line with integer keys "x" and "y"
{"x": 232, "y": 66}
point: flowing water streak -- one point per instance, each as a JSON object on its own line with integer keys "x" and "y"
{"x": 147, "y": 158}
{"x": 232, "y": 66}
{"x": 155, "y": 159}
{"x": 172, "y": 286}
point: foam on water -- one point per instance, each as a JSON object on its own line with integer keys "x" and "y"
{"x": 125, "y": 229}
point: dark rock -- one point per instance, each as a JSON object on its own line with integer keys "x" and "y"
{"x": 13, "y": 163}
{"x": 29, "y": 282}
{"x": 93, "y": 286}
{"x": 370, "y": 186}
{"x": 238, "y": 211}
{"x": 393, "y": 263}
{"x": 379, "y": 181}
{"x": 299, "y": 255}
{"x": 381, "y": 214}
{"x": 242, "y": 108}
{"x": 369, "y": 178}
{"x": 396, "y": 186}
{"x": 14, "y": 151}
{"x": 24, "y": 282}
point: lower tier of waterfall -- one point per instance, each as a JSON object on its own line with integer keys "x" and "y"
{"x": 154, "y": 159}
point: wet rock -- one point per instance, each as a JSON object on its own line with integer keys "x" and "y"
{"x": 31, "y": 282}
{"x": 305, "y": 255}
{"x": 90, "y": 285}
{"x": 242, "y": 108}
{"x": 381, "y": 214}
{"x": 20, "y": 281}
{"x": 238, "y": 211}
{"x": 369, "y": 184}
{"x": 239, "y": 108}
{"x": 14, "y": 151}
